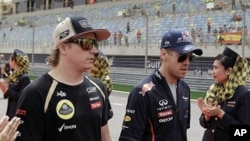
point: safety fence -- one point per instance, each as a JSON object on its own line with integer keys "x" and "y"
{"x": 200, "y": 84}
{"x": 196, "y": 83}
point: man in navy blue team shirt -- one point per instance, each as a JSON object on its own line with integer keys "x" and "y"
{"x": 158, "y": 108}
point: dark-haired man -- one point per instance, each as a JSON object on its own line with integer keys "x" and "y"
{"x": 158, "y": 108}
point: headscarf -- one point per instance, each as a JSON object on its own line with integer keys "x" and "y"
{"x": 22, "y": 61}
{"x": 101, "y": 70}
{"x": 218, "y": 92}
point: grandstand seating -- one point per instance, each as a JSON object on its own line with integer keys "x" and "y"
{"x": 184, "y": 19}
{"x": 105, "y": 15}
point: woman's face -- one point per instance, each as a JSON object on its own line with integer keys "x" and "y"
{"x": 12, "y": 63}
{"x": 220, "y": 74}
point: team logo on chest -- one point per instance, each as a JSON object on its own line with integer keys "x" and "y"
{"x": 65, "y": 109}
{"x": 147, "y": 87}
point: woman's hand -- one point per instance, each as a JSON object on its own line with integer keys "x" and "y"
{"x": 209, "y": 109}
{"x": 204, "y": 108}
{"x": 3, "y": 87}
{"x": 215, "y": 110}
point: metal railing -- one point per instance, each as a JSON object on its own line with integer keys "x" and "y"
{"x": 200, "y": 84}
{"x": 196, "y": 83}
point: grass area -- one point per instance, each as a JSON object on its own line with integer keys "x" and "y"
{"x": 195, "y": 95}
{"x": 127, "y": 88}
{"x": 33, "y": 77}
{"x": 120, "y": 87}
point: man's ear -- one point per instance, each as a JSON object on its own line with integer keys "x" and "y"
{"x": 62, "y": 48}
{"x": 163, "y": 54}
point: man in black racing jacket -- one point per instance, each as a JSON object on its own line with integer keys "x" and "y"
{"x": 158, "y": 108}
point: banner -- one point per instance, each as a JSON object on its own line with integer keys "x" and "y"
{"x": 210, "y": 5}
{"x": 153, "y": 64}
{"x": 230, "y": 38}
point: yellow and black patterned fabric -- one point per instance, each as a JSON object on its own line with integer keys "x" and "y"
{"x": 101, "y": 71}
{"x": 217, "y": 92}
{"x": 22, "y": 61}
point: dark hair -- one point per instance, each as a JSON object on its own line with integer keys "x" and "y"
{"x": 13, "y": 58}
{"x": 225, "y": 61}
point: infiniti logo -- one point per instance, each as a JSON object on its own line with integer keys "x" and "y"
{"x": 163, "y": 102}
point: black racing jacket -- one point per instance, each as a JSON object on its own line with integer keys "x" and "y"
{"x": 151, "y": 113}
